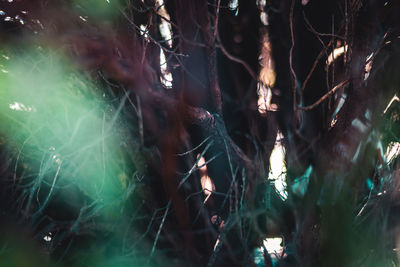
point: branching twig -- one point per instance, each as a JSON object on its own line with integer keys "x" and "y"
{"x": 235, "y": 59}
{"x": 294, "y": 77}
{"x": 319, "y": 101}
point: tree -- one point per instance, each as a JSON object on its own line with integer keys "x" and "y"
{"x": 154, "y": 124}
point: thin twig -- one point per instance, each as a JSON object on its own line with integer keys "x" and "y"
{"x": 193, "y": 149}
{"x": 294, "y": 77}
{"x": 140, "y": 119}
{"x": 158, "y": 233}
{"x": 235, "y": 59}
{"x": 319, "y": 101}
{"x": 216, "y": 19}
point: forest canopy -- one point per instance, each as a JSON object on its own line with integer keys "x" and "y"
{"x": 200, "y": 133}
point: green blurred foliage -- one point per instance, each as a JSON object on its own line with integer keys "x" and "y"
{"x": 61, "y": 128}
{"x": 101, "y": 10}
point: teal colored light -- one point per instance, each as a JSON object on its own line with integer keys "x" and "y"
{"x": 61, "y": 129}
{"x": 370, "y": 184}
{"x": 300, "y": 184}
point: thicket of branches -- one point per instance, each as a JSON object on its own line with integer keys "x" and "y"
{"x": 193, "y": 96}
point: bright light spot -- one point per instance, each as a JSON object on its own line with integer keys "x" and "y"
{"x": 264, "y": 18}
{"x": 277, "y": 164}
{"x": 233, "y": 4}
{"x": 264, "y": 99}
{"x": 392, "y": 151}
{"x": 165, "y": 26}
{"x": 18, "y": 17}
{"x": 143, "y": 31}
{"x": 333, "y": 122}
{"x": 273, "y": 245}
{"x": 57, "y": 159}
{"x": 395, "y": 98}
{"x": 166, "y": 76}
{"x": 339, "y": 106}
{"x": 47, "y": 238}
{"x": 267, "y": 73}
{"x": 266, "y": 77}
{"x": 337, "y": 52}
{"x": 20, "y": 107}
{"x": 368, "y": 68}
{"x": 83, "y": 18}
{"x": 261, "y": 3}
{"x": 2, "y": 13}
{"x": 206, "y": 183}
{"x": 369, "y": 57}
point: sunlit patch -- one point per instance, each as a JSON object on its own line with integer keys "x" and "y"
{"x": 273, "y": 245}
{"x": 392, "y": 151}
{"x": 267, "y": 73}
{"x": 264, "y": 18}
{"x": 233, "y": 4}
{"x": 337, "y": 52}
{"x": 264, "y": 99}
{"x": 144, "y": 32}
{"x": 166, "y": 75}
{"x": 165, "y": 25}
{"x": 266, "y": 78}
{"x": 206, "y": 183}
{"x": 261, "y": 3}
{"x": 277, "y": 172}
